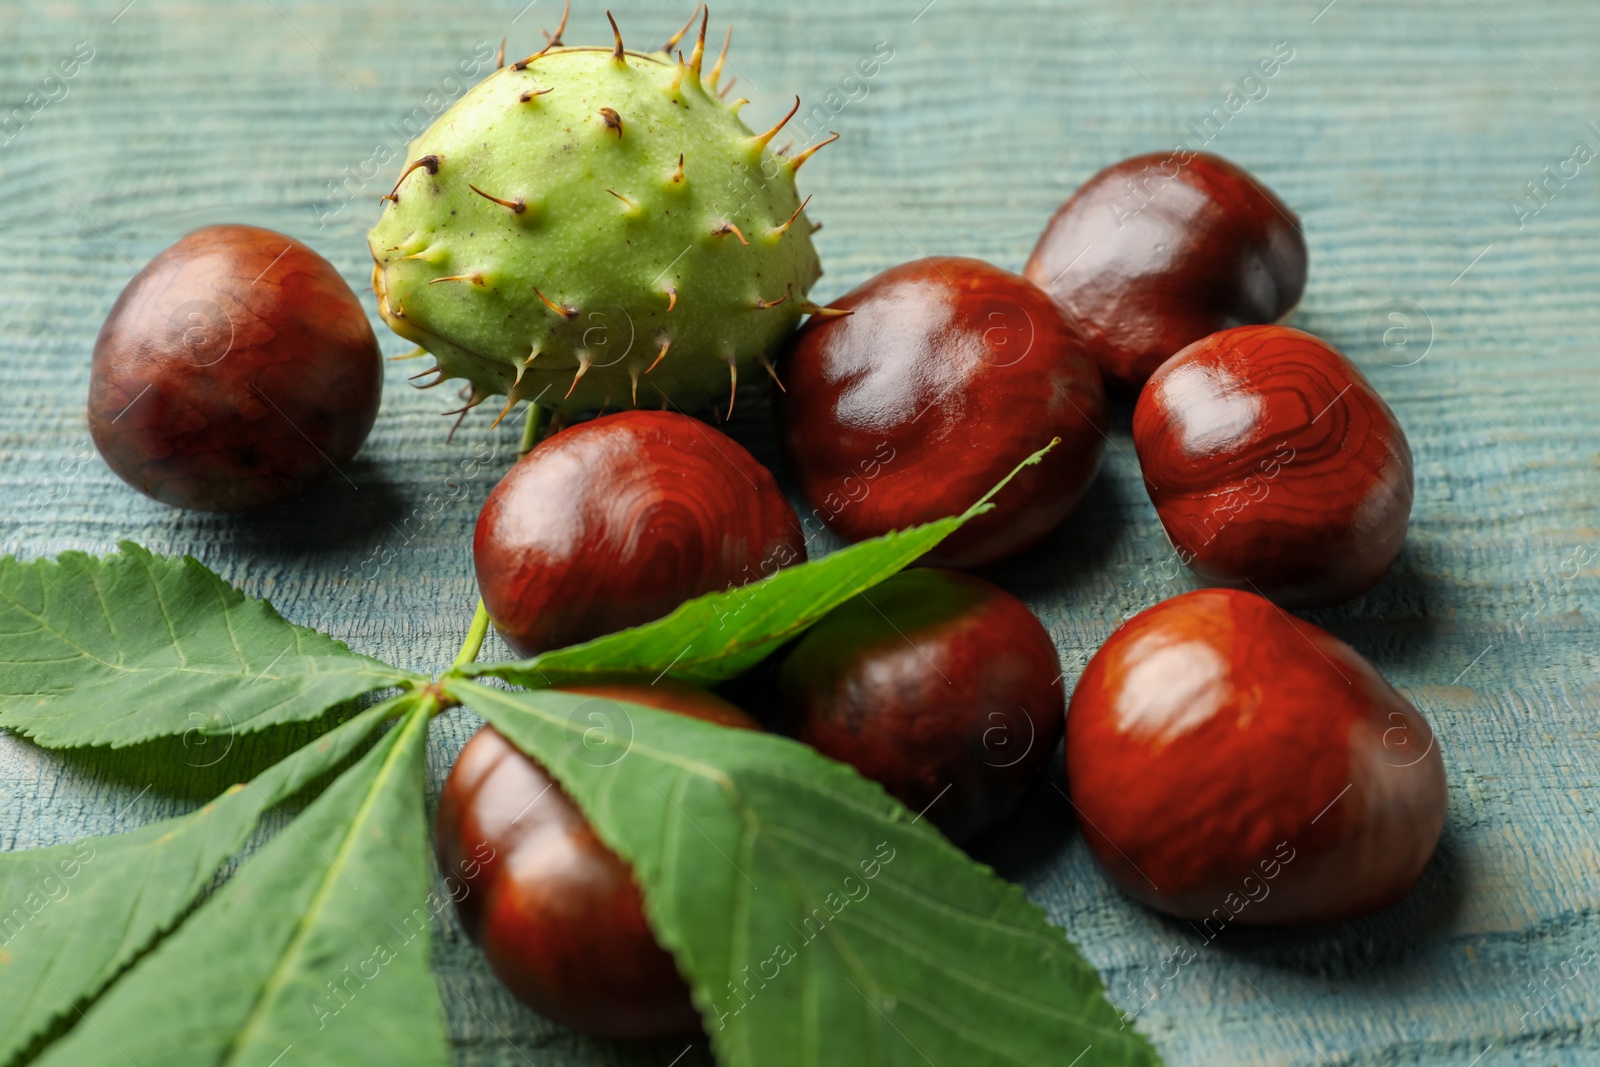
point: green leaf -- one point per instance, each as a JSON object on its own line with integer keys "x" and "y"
{"x": 80, "y": 912}
{"x": 818, "y": 921}
{"x": 134, "y": 646}
{"x": 320, "y": 944}
{"x": 722, "y": 635}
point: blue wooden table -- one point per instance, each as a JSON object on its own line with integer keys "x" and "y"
{"x": 1405, "y": 135}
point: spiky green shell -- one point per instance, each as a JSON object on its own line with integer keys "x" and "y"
{"x": 634, "y": 253}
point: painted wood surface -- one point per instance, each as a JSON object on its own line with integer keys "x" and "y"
{"x": 1404, "y": 135}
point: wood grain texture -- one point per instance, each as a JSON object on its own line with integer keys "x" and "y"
{"x": 1397, "y": 132}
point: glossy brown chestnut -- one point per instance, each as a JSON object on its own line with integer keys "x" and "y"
{"x": 1160, "y": 250}
{"x": 555, "y": 910}
{"x": 1275, "y": 466}
{"x": 940, "y": 686}
{"x": 232, "y": 372}
{"x": 615, "y": 522}
{"x": 947, "y": 373}
{"x": 1231, "y": 763}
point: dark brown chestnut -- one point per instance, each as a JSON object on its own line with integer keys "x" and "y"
{"x": 1231, "y": 763}
{"x": 232, "y": 372}
{"x": 938, "y": 685}
{"x": 1275, "y": 466}
{"x": 945, "y": 374}
{"x": 1158, "y": 251}
{"x": 615, "y": 522}
{"x": 557, "y": 913}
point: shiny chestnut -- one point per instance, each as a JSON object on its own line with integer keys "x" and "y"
{"x": 557, "y": 913}
{"x": 940, "y": 686}
{"x": 945, "y": 374}
{"x": 232, "y": 372}
{"x": 1231, "y": 763}
{"x": 1158, "y": 251}
{"x": 616, "y": 522}
{"x": 1275, "y": 466}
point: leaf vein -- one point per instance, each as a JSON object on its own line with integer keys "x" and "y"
{"x": 905, "y": 889}
{"x": 220, "y": 589}
{"x": 161, "y": 605}
{"x": 325, "y": 889}
{"x": 44, "y": 626}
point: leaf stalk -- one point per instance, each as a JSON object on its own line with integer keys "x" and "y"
{"x": 530, "y": 429}
{"x": 475, "y": 635}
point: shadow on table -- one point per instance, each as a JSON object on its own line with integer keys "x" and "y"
{"x": 348, "y": 510}
{"x": 1396, "y": 624}
{"x": 1033, "y": 837}
{"x": 1358, "y": 948}
{"x": 1080, "y": 546}
{"x": 1032, "y": 840}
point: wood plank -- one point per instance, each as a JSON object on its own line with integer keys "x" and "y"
{"x": 1398, "y": 132}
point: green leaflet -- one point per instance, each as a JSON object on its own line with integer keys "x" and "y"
{"x": 818, "y": 920}
{"x": 79, "y": 912}
{"x": 260, "y": 972}
{"x": 134, "y": 646}
{"x": 721, "y": 635}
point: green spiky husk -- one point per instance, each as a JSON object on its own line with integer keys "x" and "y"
{"x": 610, "y": 228}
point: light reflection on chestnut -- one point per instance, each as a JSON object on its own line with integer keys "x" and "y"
{"x": 1214, "y": 738}
{"x": 615, "y": 522}
{"x": 946, "y": 373}
{"x": 233, "y": 371}
{"x": 1275, "y": 466}
{"x": 1156, "y": 252}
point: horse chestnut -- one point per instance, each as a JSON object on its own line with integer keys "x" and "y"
{"x": 555, "y": 910}
{"x": 1160, "y": 250}
{"x": 1274, "y": 465}
{"x": 1232, "y": 763}
{"x": 945, "y": 375}
{"x": 932, "y": 682}
{"x": 616, "y": 522}
{"x": 232, "y": 372}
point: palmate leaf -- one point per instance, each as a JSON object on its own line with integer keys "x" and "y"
{"x": 819, "y": 922}
{"x": 317, "y": 952}
{"x": 123, "y": 649}
{"x": 80, "y": 912}
{"x": 721, "y": 635}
